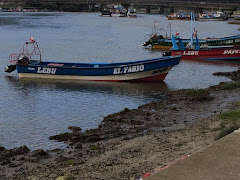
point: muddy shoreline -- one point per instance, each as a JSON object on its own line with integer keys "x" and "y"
{"x": 128, "y": 144}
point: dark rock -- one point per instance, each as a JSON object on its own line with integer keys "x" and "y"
{"x": 14, "y": 165}
{"x": 21, "y": 150}
{"x": 74, "y": 128}
{"x": 56, "y": 150}
{"x": 126, "y": 138}
{"x": 77, "y": 138}
{"x": 79, "y": 154}
{"x": 2, "y": 149}
{"x": 70, "y": 144}
{"x": 62, "y": 137}
{"x": 21, "y": 158}
{"x": 3, "y": 158}
{"x": 8, "y": 153}
{"x": 94, "y": 138}
{"x": 6, "y": 161}
{"x": 91, "y": 131}
{"x": 38, "y": 152}
{"x": 32, "y": 160}
{"x": 77, "y": 146}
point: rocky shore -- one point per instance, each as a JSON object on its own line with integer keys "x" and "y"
{"x": 128, "y": 144}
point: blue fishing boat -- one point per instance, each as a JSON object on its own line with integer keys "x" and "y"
{"x": 30, "y": 65}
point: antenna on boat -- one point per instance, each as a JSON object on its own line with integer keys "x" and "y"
{"x": 169, "y": 26}
{"x": 191, "y": 42}
{"x": 194, "y": 21}
{"x": 154, "y": 30}
{"x": 193, "y": 30}
{"x": 195, "y": 46}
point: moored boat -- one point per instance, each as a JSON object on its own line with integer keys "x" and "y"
{"x": 118, "y": 11}
{"x": 132, "y": 12}
{"x": 178, "y": 16}
{"x": 158, "y": 42}
{"x": 156, "y": 36}
{"x": 194, "y": 51}
{"x": 29, "y": 64}
{"x": 218, "y": 16}
{"x": 106, "y": 12}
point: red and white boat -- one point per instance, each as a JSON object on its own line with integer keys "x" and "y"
{"x": 194, "y": 51}
{"x": 214, "y": 53}
{"x": 211, "y": 53}
{"x": 118, "y": 11}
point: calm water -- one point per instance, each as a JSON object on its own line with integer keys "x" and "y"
{"x": 33, "y": 110}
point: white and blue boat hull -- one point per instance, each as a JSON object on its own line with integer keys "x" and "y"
{"x": 145, "y": 70}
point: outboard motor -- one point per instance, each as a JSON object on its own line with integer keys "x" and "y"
{"x": 160, "y": 37}
{"x": 10, "y": 68}
{"x": 24, "y": 60}
{"x": 168, "y": 53}
{"x": 146, "y": 43}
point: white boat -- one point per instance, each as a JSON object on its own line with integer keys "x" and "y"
{"x": 218, "y": 16}
{"x": 118, "y": 11}
{"x": 132, "y": 12}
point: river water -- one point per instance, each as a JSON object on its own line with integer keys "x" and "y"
{"x": 32, "y": 110}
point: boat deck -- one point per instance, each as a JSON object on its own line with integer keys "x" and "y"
{"x": 96, "y": 64}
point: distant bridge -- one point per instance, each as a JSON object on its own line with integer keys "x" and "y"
{"x": 157, "y": 5}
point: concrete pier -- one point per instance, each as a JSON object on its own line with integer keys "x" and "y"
{"x": 218, "y": 161}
